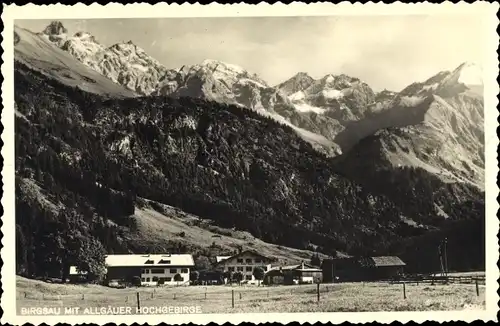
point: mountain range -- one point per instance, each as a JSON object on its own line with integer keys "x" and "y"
{"x": 322, "y": 163}
{"x": 333, "y": 113}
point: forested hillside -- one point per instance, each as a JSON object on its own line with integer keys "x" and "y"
{"x": 82, "y": 161}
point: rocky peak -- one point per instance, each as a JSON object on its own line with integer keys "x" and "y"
{"x": 467, "y": 77}
{"x": 55, "y": 28}
{"x": 299, "y": 82}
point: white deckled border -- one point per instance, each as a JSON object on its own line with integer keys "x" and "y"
{"x": 486, "y": 10}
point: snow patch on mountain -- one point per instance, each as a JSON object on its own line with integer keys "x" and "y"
{"x": 304, "y": 107}
{"x": 82, "y": 46}
{"x": 297, "y": 96}
{"x": 254, "y": 82}
{"x": 332, "y": 93}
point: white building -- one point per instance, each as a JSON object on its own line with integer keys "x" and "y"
{"x": 153, "y": 269}
{"x": 294, "y": 274}
{"x": 245, "y": 262}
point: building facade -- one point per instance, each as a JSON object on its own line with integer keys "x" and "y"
{"x": 293, "y": 274}
{"x": 245, "y": 262}
{"x": 153, "y": 270}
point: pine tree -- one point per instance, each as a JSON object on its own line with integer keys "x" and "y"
{"x": 315, "y": 260}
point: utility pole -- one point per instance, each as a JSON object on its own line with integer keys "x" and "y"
{"x": 445, "y": 257}
{"x": 334, "y": 272}
{"x": 418, "y": 260}
{"x": 440, "y": 252}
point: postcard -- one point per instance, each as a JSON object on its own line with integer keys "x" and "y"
{"x": 258, "y": 163}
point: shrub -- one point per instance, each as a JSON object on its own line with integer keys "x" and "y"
{"x": 258, "y": 273}
{"x": 136, "y": 281}
{"x": 238, "y": 277}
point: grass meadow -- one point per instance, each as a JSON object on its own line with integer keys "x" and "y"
{"x": 342, "y": 297}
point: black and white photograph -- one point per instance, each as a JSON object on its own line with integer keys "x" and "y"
{"x": 230, "y": 164}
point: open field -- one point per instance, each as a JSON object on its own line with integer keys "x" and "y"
{"x": 295, "y": 298}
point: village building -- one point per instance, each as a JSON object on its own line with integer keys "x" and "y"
{"x": 244, "y": 262}
{"x": 362, "y": 269}
{"x": 76, "y": 276}
{"x": 293, "y": 274}
{"x": 157, "y": 269}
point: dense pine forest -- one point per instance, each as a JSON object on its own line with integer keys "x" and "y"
{"x": 83, "y": 160}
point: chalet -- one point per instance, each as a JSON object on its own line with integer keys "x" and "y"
{"x": 158, "y": 269}
{"x": 293, "y": 274}
{"x": 244, "y": 262}
{"x": 362, "y": 269}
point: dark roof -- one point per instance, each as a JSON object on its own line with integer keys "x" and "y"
{"x": 383, "y": 261}
{"x": 379, "y": 261}
{"x": 253, "y": 252}
{"x": 297, "y": 267}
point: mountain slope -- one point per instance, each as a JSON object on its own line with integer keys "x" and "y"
{"x": 342, "y": 97}
{"x": 298, "y": 83}
{"x": 129, "y": 65}
{"x": 124, "y": 63}
{"x": 332, "y": 113}
{"x": 37, "y": 53}
{"x": 221, "y": 82}
{"x": 436, "y": 125}
{"x": 216, "y": 161}
{"x": 227, "y": 83}
{"x": 94, "y": 157}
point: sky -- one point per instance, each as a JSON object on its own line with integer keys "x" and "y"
{"x": 387, "y": 52}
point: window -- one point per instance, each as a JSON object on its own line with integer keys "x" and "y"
{"x": 168, "y": 279}
{"x": 157, "y": 271}
{"x": 155, "y": 279}
{"x": 149, "y": 261}
{"x": 248, "y": 268}
{"x": 164, "y": 261}
{"x": 248, "y": 277}
{"x": 240, "y": 269}
{"x": 184, "y": 270}
{"x": 248, "y": 260}
{"x": 145, "y": 271}
{"x": 173, "y": 270}
{"x": 143, "y": 279}
{"x": 240, "y": 260}
{"x": 148, "y": 279}
{"x": 231, "y": 269}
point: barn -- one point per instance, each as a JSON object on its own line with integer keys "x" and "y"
{"x": 362, "y": 269}
{"x": 383, "y": 267}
